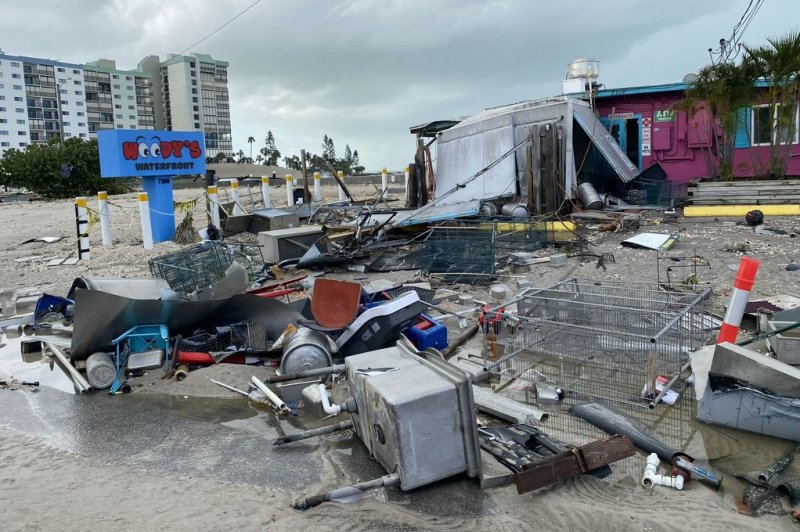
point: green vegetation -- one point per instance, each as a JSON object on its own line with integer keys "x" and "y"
{"x": 58, "y": 171}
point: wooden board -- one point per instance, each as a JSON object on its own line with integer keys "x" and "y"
{"x": 575, "y": 462}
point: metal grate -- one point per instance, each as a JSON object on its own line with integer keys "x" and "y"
{"x": 460, "y": 254}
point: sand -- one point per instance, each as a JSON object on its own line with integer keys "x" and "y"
{"x": 44, "y": 488}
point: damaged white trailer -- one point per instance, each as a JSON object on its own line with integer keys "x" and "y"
{"x": 499, "y": 154}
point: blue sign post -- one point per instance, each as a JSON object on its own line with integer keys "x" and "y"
{"x": 155, "y": 156}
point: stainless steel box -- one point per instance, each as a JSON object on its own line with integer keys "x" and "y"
{"x": 415, "y": 415}
{"x": 284, "y": 244}
{"x": 151, "y": 359}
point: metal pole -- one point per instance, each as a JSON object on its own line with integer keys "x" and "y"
{"x": 265, "y": 191}
{"x": 80, "y": 382}
{"x": 355, "y": 489}
{"x": 336, "y": 368}
{"x": 317, "y": 187}
{"x": 344, "y": 425}
{"x": 289, "y": 190}
{"x": 237, "y": 209}
{"x": 342, "y": 195}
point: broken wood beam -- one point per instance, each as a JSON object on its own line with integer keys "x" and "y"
{"x": 577, "y": 461}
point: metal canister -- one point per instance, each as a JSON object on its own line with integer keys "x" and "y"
{"x": 589, "y": 197}
{"x": 488, "y": 209}
{"x": 516, "y": 210}
{"x": 304, "y": 350}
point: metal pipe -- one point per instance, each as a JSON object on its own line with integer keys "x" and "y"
{"x": 229, "y": 387}
{"x": 344, "y": 425}
{"x": 669, "y": 385}
{"x": 336, "y": 368}
{"x": 78, "y": 380}
{"x": 274, "y": 399}
{"x": 762, "y": 336}
{"x": 348, "y": 491}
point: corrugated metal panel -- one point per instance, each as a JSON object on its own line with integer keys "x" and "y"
{"x": 605, "y": 143}
{"x": 437, "y": 213}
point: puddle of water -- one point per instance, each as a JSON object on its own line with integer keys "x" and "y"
{"x": 32, "y": 367}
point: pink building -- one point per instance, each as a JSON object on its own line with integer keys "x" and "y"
{"x": 645, "y": 122}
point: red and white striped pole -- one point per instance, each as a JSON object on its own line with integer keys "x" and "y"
{"x": 745, "y": 279}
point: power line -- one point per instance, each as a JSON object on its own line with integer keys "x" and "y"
{"x": 245, "y": 10}
{"x": 730, "y": 48}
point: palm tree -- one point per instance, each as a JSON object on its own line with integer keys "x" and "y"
{"x": 778, "y": 63}
{"x": 250, "y": 141}
{"x": 722, "y": 90}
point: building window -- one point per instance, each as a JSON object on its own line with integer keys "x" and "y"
{"x": 83, "y": 124}
{"x": 117, "y": 106}
{"x": 131, "y": 107}
{"x": 3, "y": 121}
{"x": 79, "y": 104}
{"x": 82, "y": 135}
{"x": 67, "y": 134}
{"x": 23, "y": 144}
{"x": 194, "y": 82}
{"x": 120, "y": 117}
{"x": 117, "y": 97}
{"x": 22, "y": 133}
{"x": 18, "y": 87}
{"x": 15, "y": 75}
{"x": 130, "y": 97}
{"x": 66, "y": 124}
{"x": 116, "y": 86}
{"x": 197, "y": 117}
{"x": 133, "y": 117}
{"x": 2, "y": 109}
{"x": 21, "y": 122}
{"x": 195, "y": 108}
{"x": 79, "y": 113}
{"x": 2, "y": 97}
{"x": 76, "y": 82}
{"x": 194, "y": 99}
{"x": 63, "y": 91}
{"x": 64, "y": 102}
{"x": 14, "y": 64}
{"x": 196, "y": 125}
{"x": 19, "y": 109}
{"x": 120, "y": 126}
{"x": 64, "y": 113}
{"x": 4, "y": 132}
{"x": 5, "y": 144}
{"x": 764, "y": 126}
{"x": 78, "y": 93}
{"x": 76, "y": 71}
{"x": 129, "y": 88}
{"x": 115, "y": 76}
{"x": 17, "y": 98}
{"x": 128, "y": 78}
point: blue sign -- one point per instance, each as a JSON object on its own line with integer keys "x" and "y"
{"x": 142, "y": 153}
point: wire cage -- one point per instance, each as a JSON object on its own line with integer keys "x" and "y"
{"x": 194, "y": 269}
{"x": 460, "y": 254}
{"x": 242, "y": 336}
{"x": 598, "y": 340}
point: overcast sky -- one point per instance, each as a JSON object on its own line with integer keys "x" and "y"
{"x": 363, "y": 71}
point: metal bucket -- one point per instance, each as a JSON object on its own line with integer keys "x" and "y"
{"x": 589, "y": 197}
{"x": 304, "y": 350}
{"x": 516, "y": 210}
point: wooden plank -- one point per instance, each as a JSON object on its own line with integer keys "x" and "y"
{"x": 574, "y": 462}
{"x": 735, "y": 184}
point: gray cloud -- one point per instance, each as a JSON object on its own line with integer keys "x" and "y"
{"x": 362, "y": 71}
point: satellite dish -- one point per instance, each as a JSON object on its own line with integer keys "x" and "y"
{"x": 691, "y": 77}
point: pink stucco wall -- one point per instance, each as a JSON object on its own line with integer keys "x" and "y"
{"x": 681, "y": 146}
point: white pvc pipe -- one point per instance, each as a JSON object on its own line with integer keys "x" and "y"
{"x": 317, "y": 186}
{"x": 105, "y": 217}
{"x": 274, "y": 399}
{"x": 342, "y": 195}
{"x": 144, "y": 216}
{"x": 265, "y": 192}
{"x": 289, "y": 190}
{"x": 405, "y": 183}
{"x": 83, "y": 228}
{"x": 213, "y": 198}
{"x": 651, "y": 477}
{"x": 237, "y": 209}
{"x": 384, "y": 180}
{"x": 326, "y": 404}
